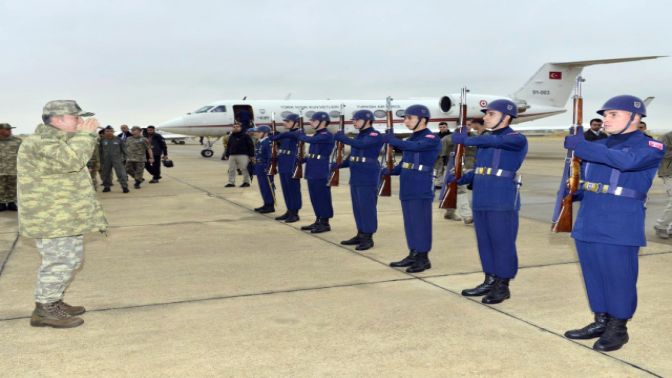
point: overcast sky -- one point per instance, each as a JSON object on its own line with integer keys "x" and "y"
{"x": 143, "y": 62}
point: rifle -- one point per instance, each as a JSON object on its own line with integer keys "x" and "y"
{"x": 273, "y": 167}
{"x": 449, "y": 194}
{"x": 385, "y": 189}
{"x": 333, "y": 180}
{"x": 562, "y": 213}
{"x": 298, "y": 166}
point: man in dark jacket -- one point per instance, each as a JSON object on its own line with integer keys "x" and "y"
{"x": 125, "y": 133}
{"x": 239, "y": 152}
{"x": 595, "y": 132}
{"x": 159, "y": 148}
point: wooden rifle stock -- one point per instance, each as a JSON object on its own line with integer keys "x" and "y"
{"x": 385, "y": 189}
{"x": 563, "y": 218}
{"x": 334, "y": 178}
{"x": 298, "y": 166}
{"x": 449, "y": 198}
{"x": 273, "y": 167}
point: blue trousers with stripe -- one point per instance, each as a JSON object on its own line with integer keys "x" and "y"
{"x": 496, "y": 233}
{"x": 610, "y": 274}
{"x": 320, "y": 198}
{"x": 291, "y": 191}
{"x": 418, "y": 224}
{"x": 265, "y": 187}
{"x": 364, "y": 201}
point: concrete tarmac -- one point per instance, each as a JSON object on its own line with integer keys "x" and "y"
{"x": 192, "y": 282}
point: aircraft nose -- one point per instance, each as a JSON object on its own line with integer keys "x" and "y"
{"x": 171, "y": 124}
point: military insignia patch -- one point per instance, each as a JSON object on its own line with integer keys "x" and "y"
{"x": 657, "y": 145}
{"x": 430, "y": 136}
{"x": 637, "y": 104}
{"x": 374, "y": 134}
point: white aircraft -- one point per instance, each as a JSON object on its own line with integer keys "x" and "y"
{"x": 545, "y": 94}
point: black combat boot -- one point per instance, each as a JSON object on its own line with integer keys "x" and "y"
{"x": 283, "y": 216}
{"x": 321, "y": 226}
{"x": 267, "y": 209}
{"x": 137, "y": 184}
{"x": 3, "y": 206}
{"x": 365, "y": 242}
{"x": 11, "y": 206}
{"x": 353, "y": 240}
{"x": 310, "y": 226}
{"x": 592, "y": 330}
{"x": 106, "y": 189}
{"x": 406, "y": 261}
{"x": 259, "y": 208}
{"x": 125, "y": 189}
{"x": 614, "y": 337}
{"x": 481, "y": 289}
{"x": 293, "y": 217}
{"x": 498, "y": 293}
{"x": 420, "y": 264}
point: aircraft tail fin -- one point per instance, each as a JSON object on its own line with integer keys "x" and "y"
{"x": 648, "y": 100}
{"x": 553, "y": 83}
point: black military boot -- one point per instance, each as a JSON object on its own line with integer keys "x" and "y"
{"x": 406, "y": 261}
{"x": 293, "y": 217}
{"x": 125, "y": 189}
{"x": 310, "y": 226}
{"x": 420, "y": 264}
{"x": 3, "y": 206}
{"x": 283, "y": 216}
{"x": 365, "y": 242}
{"x": 259, "y": 208}
{"x": 592, "y": 330}
{"x": 321, "y": 226}
{"x": 614, "y": 337}
{"x": 267, "y": 209}
{"x": 106, "y": 189}
{"x": 481, "y": 289}
{"x": 137, "y": 184}
{"x": 498, "y": 293}
{"x": 11, "y": 206}
{"x": 353, "y": 240}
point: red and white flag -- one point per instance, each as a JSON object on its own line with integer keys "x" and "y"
{"x": 555, "y": 75}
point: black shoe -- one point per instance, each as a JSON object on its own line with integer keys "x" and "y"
{"x": 614, "y": 337}
{"x": 321, "y": 226}
{"x": 258, "y": 208}
{"x": 365, "y": 242}
{"x": 353, "y": 240}
{"x": 267, "y": 209}
{"x": 293, "y": 217}
{"x": 310, "y": 226}
{"x": 498, "y": 293}
{"x": 11, "y": 206}
{"x": 239, "y": 172}
{"x": 229, "y": 186}
{"x": 592, "y": 330}
{"x": 245, "y": 185}
{"x": 406, "y": 261}
{"x": 106, "y": 189}
{"x": 3, "y": 206}
{"x": 125, "y": 189}
{"x": 153, "y": 181}
{"x": 137, "y": 186}
{"x": 481, "y": 289}
{"x": 420, "y": 264}
{"x": 283, "y": 216}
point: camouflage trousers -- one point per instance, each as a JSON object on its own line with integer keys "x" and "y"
{"x": 7, "y": 188}
{"x": 135, "y": 169}
{"x": 61, "y": 257}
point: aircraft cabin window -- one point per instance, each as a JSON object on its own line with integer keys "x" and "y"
{"x": 379, "y": 114}
{"x": 203, "y": 109}
{"x": 334, "y": 114}
{"x": 219, "y": 109}
{"x": 400, "y": 113}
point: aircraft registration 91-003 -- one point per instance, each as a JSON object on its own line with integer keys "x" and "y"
{"x": 545, "y": 94}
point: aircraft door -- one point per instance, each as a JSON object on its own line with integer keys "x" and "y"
{"x": 244, "y": 114}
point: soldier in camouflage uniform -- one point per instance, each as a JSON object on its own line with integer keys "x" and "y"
{"x": 58, "y": 205}
{"x": 463, "y": 211}
{"x": 138, "y": 149}
{"x": 94, "y": 165}
{"x": 9, "y": 146}
{"x": 112, "y": 155}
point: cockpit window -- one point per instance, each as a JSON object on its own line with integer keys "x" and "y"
{"x": 219, "y": 109}
{"x": 203, "y": 109}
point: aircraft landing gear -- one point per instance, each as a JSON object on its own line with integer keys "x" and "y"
{"x": 207, "y": 151}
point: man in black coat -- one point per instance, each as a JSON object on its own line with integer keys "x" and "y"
{"x": 159, "y": 148}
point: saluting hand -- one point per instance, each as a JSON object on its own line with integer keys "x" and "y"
{"x": 89, "y": 125}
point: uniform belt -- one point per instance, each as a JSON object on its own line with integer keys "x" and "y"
{"x": 596, "y": 187}
{"x": 317, "y": 156}
{"x": 417, "y": 167}
{"x": 284, "y": 152}
{"x": 488, "y": 171}
{"x": 362, "y": 159}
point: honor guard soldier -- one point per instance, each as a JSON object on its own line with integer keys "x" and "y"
{"x": 9, "y": 148}
{"x": 416, "y": 190}
{"x": 616, "y": 174}
{"x": 496, "y": 198}
{"x": 287, "y": 150}
{"x": 317, "y": 171}
{"x": 364, "y": 177}
{"x": 262, "y": 159}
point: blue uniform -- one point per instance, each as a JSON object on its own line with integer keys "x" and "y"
{"x": 616, "y": 174}
{"x": 364, "y": 176}
{"x": 287, "y": 151}
{"x": 262, "y": 152}
{"x": 496, "y": 198}
{"x": 416, "y": 190}
{"x": 317, "y": 171}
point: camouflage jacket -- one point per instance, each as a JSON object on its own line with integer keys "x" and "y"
{"x": 9, "y": 147}
{"x": 136, "y": 148}
{"x": 55, "y": 191}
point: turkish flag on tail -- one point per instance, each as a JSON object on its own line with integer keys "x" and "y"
{"x": 555, "y": 75}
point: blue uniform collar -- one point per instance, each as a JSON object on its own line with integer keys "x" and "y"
{"x": 422, "y": 132}
{"x": 321, "y": 130}
{"x": 367, "y": 131}
{"x": 505, "y": 130}
{"x": 615, "y": 139}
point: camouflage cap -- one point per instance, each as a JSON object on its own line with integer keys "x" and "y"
{"x": 64, "y": 107}
{"x": 6, "y": 126}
